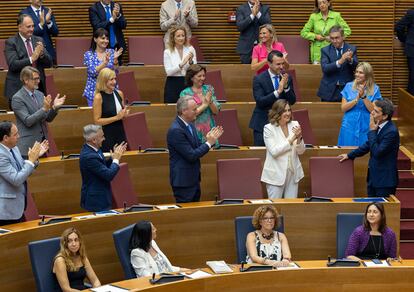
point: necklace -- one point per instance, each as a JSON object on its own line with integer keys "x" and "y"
{"x": 268, "y": 237}
{"x": 377, "y": 254}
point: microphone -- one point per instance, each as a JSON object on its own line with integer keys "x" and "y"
{"x": 153, "y": 276}
{"x": 329, "y": 258}
{"x": 242, "y": 265}
{"x": 125, "y": 206}
{"x": 139, "y": 148}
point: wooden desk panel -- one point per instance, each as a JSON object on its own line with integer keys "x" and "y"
{"x": 56, "y": 184}
{"x": 67, "y": 127}
{"x": 185, "y": 235}
{"x": 237, "y": 79}
{"x": 313, "y": 276}
{"x": 406, "y": 119}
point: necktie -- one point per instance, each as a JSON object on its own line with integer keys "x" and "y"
{"x": 101, "y": 154}
{"x": 339, "y": 53}
{"x": 38, "y": 13}
{"x": 29, "y": 47}
{"x": 178, "y": 5}
{"x": 111, "y": 27}
{"x": 276, "y": 82}
{"x": 34, "y": 100}
{"x": 190, "y": 129}
{"x": 19, "y": 167}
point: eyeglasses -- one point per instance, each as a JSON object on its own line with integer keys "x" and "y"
{"x": 36, "y": 78}
{"x": 268, "y": 218}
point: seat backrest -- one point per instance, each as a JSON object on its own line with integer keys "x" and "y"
{"x": 3, "y": 62}
{"x": 214, "y": 79}
{"x": 345, "y": 225}
{"x": 53, "y": 149}
{"x": 136, "y": 131}
{"x": 296, "y": 47}
{"x": 70, "y": 50}
{"x": 296, "y": 88}
{"x": 42, "y": 253}
{"x": 196, "y": 45}
{"x": 128, "y": 85}
{"x": 31, "y": 212}
{"x": 243, "y": 225}
{"x": 230, "y": 122}
{"x": 239, "y": 178}
{"x": 302, "y": 116}
{"x": 51, "y": 86}
{"x": 121, "y": 240}
{"x": 331, "y": 178}
{"x": 122, "y": 189}
{"x": 146, "y": 49}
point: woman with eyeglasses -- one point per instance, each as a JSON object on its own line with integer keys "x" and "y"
{"x": 267, "y": 246}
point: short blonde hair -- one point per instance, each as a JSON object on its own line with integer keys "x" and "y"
{"x": 171, "y": 41}
{"x": 259, "y": 214}
{"x": 103, "y": 77}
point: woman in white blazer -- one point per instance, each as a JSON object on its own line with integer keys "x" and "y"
{"x": 146, "y": 256}
{"x": 178, "y": 56}
{"x": 282, "y": 169}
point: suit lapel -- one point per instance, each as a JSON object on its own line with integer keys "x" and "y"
{"x": 187, "y": 132}
{"x": 269, "y": 82}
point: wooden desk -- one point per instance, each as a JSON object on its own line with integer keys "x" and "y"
{"x": 313, "y": 276}
{"x": 406, "y": 119}
{"x": 56, "y": 183}
{"x": 150, "y": 79}
{"x": 67, "y": 127}
{"x": 189, "y": 236}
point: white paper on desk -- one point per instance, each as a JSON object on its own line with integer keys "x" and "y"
{"x": 260, "y": 201}
{"x": 166, "y": 207}
{"x": 371, "y": 264}
{"x": 257, "y": 147}
{"x": 84, "y": 217}
{"x": 292, "y": 266}
{"x": 109, "y": 288}
{"x": 219, "y": 267}
{"x": 328, "y": 147}
{"x": 197, "y": 274}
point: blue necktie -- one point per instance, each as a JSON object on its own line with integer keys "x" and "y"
{"x": 190, "y": 129}
{"x": 276, "y": 82}
{"x": 101, "y": 154}
{"x": 19, "y": 167}
{"x": 178, "y": 5}
{"x": 38, "y": 13}
{"x": 339, "y": 53}
{"x": 111, "y": 27}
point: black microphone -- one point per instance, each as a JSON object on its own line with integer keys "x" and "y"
{"x": 139, "y": 148}
{"x": 329, "y": 258}
{"x": 125, "y": 205}
{"x": 242, "y": 265}
{"x": 153, "y": 276}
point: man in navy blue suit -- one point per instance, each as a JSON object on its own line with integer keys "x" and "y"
{"x": 97, "y": 173}
{"x": 45, "y": 25}
{"x": 269, "y": 86}
{"x": 383, "y": 143}
{"x": 185, "y": 151}
{"x": 338, "y": 62}
{"x": 109, "y": 15}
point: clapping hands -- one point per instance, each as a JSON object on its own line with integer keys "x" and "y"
{"x": 214, "y": 134}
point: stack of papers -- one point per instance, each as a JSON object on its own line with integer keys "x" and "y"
{"x": 107, "y": 213}
{"x": 265, "y": 201}
{"x": 219, "y": 267}
{"x": 109, "y": 288}
{"x": 292, "y": 266}
{"x": 371, "y": 264}
{"x": 166, "y": 207}
{"x": 197, "y": 274}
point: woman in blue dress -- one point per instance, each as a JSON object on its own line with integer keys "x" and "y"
{"x": 357, "y": 103}
{"x": 97, "y": 58}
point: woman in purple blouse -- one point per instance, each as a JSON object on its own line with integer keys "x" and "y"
{"x": 97, "y": 58}
{"x": 373, "y": 239}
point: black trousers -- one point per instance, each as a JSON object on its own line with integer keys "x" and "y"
{"x": 172, "y": 89}
{"x": 380, "y": 192}
{"x": 258, "y": 138}
{"x": 187, "y": 194}
{"x": 336, "y": 96}
{"x": 246, "y": 58}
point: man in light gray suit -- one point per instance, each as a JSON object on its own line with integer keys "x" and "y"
{"x": 32, "y": 110}
{"x": 14, "y": 172}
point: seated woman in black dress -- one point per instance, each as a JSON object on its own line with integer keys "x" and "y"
{"x": 71, "y": 265}
{"x": 373, "y": 239}
{"x": 109, "y": 109}
{"x": 265, "y": 245}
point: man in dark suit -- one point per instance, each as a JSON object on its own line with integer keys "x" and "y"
{"x": 249, "y": 17}
{"x": 14, "y": 172}
{"x": 185, "y": 151}
{"x": 383, "y": 143}
{"x": 44, "y": 24}
{"x": 21, "y": 50}
{"x": 405, "y": 33}
{"x": 338, "y": 62}
{"x": 33, "y": 110}
{"x": 109, "y": 15}
{"x": 269, "y": 86}
{"x": 97, "y": 173}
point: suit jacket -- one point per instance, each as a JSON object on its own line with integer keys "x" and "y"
{"x": 382, "y": 165}
{"x": 167, "y": 17}
{"x": 31, "y": 118}
{"x": 12, "y": 184}
{"x": 263, "y": 94}
{"x": 97, "y": 174}
{"x": 185, "y": 151}
{"x": 145, "y": 265}
{"x": 97, "y": 18}
{"x": 17, "y": 58}
{"x": 278, "y": 151}
{"x": 45, "y": 32}
{"x": 248, "y": 28}
{"x": 405, "y": 32}
{"x": 332, "y": 74}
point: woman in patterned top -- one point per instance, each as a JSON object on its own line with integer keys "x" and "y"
{"x": 265, "y": 245}
{"x": 203, "y": 95}
{"x": 97, "y": 58}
